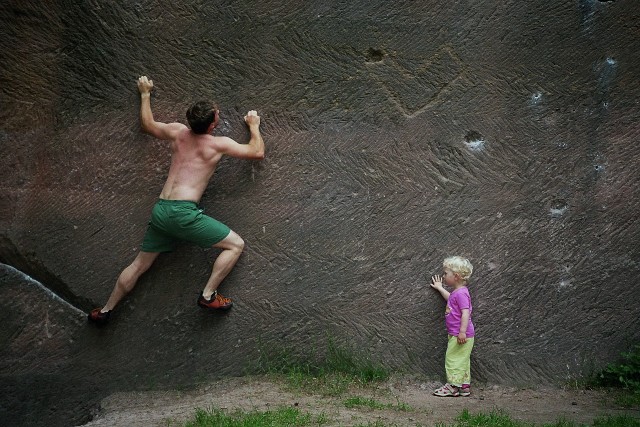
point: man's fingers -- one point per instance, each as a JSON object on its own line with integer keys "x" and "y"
{"x": 252, "y": 113}
{"x": 145, "y": 79}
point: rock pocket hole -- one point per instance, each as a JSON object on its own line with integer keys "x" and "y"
{"x": 558, "y": 208}
{"x": 374, "y": 55}
{"x": 474, "y": 140}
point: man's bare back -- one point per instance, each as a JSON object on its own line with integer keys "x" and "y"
{"x": 194, "y": 157}
{"x": 193, "y": 161}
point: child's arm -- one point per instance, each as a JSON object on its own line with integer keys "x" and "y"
{"x": 464, "y": 322}
{"x": 436, "y": 283}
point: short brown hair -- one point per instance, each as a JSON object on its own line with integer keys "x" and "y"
{"x": 200, "y": 116}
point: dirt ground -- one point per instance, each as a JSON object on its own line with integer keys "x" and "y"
{"x": 173, "y": 408}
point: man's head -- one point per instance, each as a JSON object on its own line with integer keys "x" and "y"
{"x": 202, "y": 117}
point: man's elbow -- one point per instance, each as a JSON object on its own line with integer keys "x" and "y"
{"x": 144, "y": 126}
{"x": 255, "y": 154}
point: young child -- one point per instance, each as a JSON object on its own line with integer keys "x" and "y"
{"x": 457, "y": 271}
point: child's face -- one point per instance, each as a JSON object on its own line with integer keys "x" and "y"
{"x": 449, "y": 277}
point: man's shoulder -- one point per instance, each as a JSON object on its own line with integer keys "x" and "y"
{"x": 176, "y": 130}
{"x": 216, "y": 138}
{"x": 220, "y": 141}
{"x": 179, "y": 127}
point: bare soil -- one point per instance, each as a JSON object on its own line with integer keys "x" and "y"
{"x": 173, "y": 408}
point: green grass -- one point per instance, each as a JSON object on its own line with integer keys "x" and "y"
{"x": 331, "y": 375}
{"x": 358, "y": 401}
{"x": 494, "y": 418}
{"x": 290, "y": 417}
{"x": 617, "y": 421}
{"x": 501, "y": 419}
{"x": 377, "y": 423}
{"x": 628, "y": 400}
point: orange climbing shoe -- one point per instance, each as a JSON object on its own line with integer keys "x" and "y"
{"x": 100, "y": 319}
{"x": 216, "y": 302}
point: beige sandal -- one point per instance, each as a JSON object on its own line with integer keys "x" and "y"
{"x": 447, "y": 390}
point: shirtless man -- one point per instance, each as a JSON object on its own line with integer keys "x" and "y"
{"x": 176, "y": 216}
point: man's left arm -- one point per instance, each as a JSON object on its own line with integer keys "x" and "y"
{"x": 166, "y": 131}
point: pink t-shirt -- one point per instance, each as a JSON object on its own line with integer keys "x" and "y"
{"x": 458, "y": 300}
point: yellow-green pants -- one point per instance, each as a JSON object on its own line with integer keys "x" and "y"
{"x": 457, "y": 361}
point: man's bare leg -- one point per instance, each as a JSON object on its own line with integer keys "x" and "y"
{"x": 129, "y": 277}
{"x": 232, "y": 247}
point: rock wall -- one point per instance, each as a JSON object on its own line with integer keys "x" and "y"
{"x": 397, "y": 133}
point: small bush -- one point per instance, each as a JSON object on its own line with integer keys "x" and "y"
{"x": 625, "y": 374}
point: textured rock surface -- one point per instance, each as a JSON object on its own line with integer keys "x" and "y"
{"x": 395, "y": 136}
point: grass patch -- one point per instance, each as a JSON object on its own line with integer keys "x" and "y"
{"x": 377, "y": 423}
{"x": 617, "y": 421}
{"x": 357, "y": 401}
{"x": 331, "y": 375}
{"x": 292, "y": 417}
{"x": 501, "y": 419}
{"x": 493, "y": 418}
{"x": 628, "y": 400}
{"x": 279, "y": 417}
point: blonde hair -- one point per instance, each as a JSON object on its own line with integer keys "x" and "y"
{"x": 459, "y": 265}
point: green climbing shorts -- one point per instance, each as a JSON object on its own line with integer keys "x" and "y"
{"x": 175, "y": 220}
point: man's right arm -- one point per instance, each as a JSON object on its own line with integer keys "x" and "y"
{"x": 166, "y": 131}
{"x": 253, "y": 150}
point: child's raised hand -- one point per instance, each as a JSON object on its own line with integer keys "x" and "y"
{"x": 436, "y": 281}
